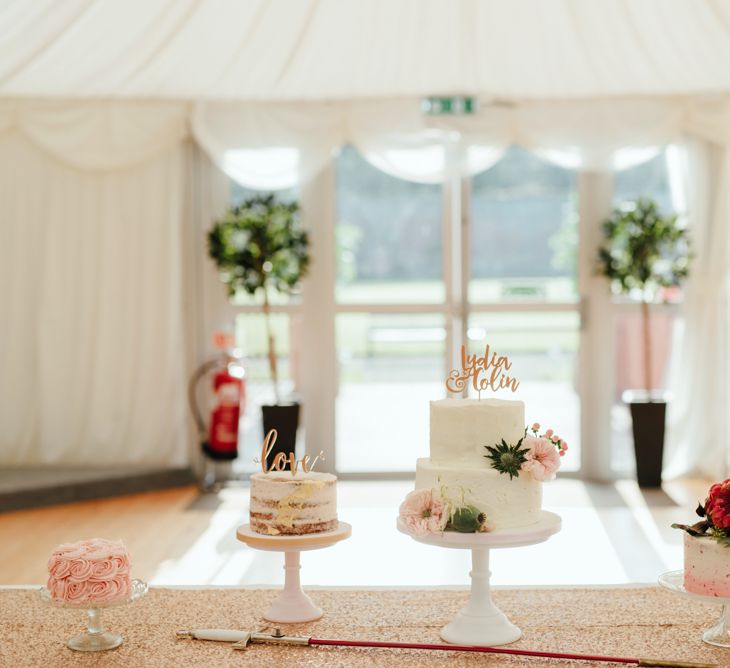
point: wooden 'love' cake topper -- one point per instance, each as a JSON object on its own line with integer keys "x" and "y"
{"x": 281, "y": 460}
{"x": 488, "y": 371}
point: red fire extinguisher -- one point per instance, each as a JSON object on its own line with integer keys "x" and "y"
{"x": 219, "y": 439}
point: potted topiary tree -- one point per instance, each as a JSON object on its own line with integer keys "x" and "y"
{"x": 259, "y": 246}
{"x": 643, "y": 253}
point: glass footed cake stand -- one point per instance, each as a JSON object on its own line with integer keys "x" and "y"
{"x": 718, "y": 635}
{"x": 96, "y": 638}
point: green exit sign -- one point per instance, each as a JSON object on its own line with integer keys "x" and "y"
{"x": 449, "y": 104}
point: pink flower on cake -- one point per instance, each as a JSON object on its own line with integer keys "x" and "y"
{"x": 543, "y": 458}
{"x": 70, "y": 550}
{"x": 105, "y": 569}
{"x": 108, "y": 590}
{"x": 80, "y": 569}
{"x": 423, "y": 512}
{"x": 57, "y": 588}
{"x": 75, "y": 591}
{"x": 58, "y": 567}
{"x": 717, "y": 505}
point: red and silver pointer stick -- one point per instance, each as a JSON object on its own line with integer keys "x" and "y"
{"x": 243, "y": 639}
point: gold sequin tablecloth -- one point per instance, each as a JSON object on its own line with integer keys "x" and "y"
{"x": 641, "y": 621}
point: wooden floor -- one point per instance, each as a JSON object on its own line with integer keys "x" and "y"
{"x": 611, "y": 534}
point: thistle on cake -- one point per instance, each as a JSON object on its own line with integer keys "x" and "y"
{"x": 535, "y": 454}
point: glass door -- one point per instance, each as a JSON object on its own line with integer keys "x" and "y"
{"x": 399, "y": 321}
{"x": 522, "y": 252}
{"x": 390, "y": 320}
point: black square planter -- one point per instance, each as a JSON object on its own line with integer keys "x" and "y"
{"x": 285, "y": 419}
{"x": 648, "y": 418}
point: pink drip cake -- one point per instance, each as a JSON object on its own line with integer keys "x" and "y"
{"x": 707, "y": 545}
{"x": 94, "y": 571}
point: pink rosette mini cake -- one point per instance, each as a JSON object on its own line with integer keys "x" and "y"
{"x": 95, "y": 571}
{"x": 707, "y": 545}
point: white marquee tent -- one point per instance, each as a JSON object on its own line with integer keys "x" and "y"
{"x": 105, "y": 106}
{"x": 354, "y": 49}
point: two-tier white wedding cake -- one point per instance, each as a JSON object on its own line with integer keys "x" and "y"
{"x": 460, "y": 430}
{"x": 486, "y": 469}
{"x": 459, "y": 466}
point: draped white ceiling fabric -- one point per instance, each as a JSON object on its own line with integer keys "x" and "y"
{"x": 345, "y": 49}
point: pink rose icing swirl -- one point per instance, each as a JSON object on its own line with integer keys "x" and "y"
{"x": 90, "y": 571}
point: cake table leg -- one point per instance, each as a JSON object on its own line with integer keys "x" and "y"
{"x": 719, "y": 635}
{"x": 480, "y": 622}
{"x": 292, "y": 605}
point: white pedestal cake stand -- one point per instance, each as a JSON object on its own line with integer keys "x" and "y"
{"x": 481, "y": 622}
{"x": 718, "y": 635}
{"x": 292, "y": 605}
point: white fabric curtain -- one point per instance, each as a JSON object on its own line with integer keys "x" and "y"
{"x": 206, "y": 305}
{"x": 91, "y": 344}
{"x": 700, "y": 366}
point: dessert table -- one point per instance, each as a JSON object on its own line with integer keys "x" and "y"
{"x": 644, "y": 621}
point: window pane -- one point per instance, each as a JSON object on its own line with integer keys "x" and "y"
{"x": 388, "y": 236}
{"x": 543, "y": 350}
{"x": 649, "y": 179}
{"x": 391, "y": 366}
{"x": 524, "y": 231}
{"x": 251, "y": 339}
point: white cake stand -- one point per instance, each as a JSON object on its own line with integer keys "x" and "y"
{"x": 481, "y": 622}
{"x": 293, "y": 605}
{"x": 718, "y": 635}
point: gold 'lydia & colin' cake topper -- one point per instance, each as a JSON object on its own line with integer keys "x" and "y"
{"x": 281, "y": 460}
{"x": 488, "y": 371}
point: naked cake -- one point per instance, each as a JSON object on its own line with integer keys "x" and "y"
{"x": 286, "y": 504}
